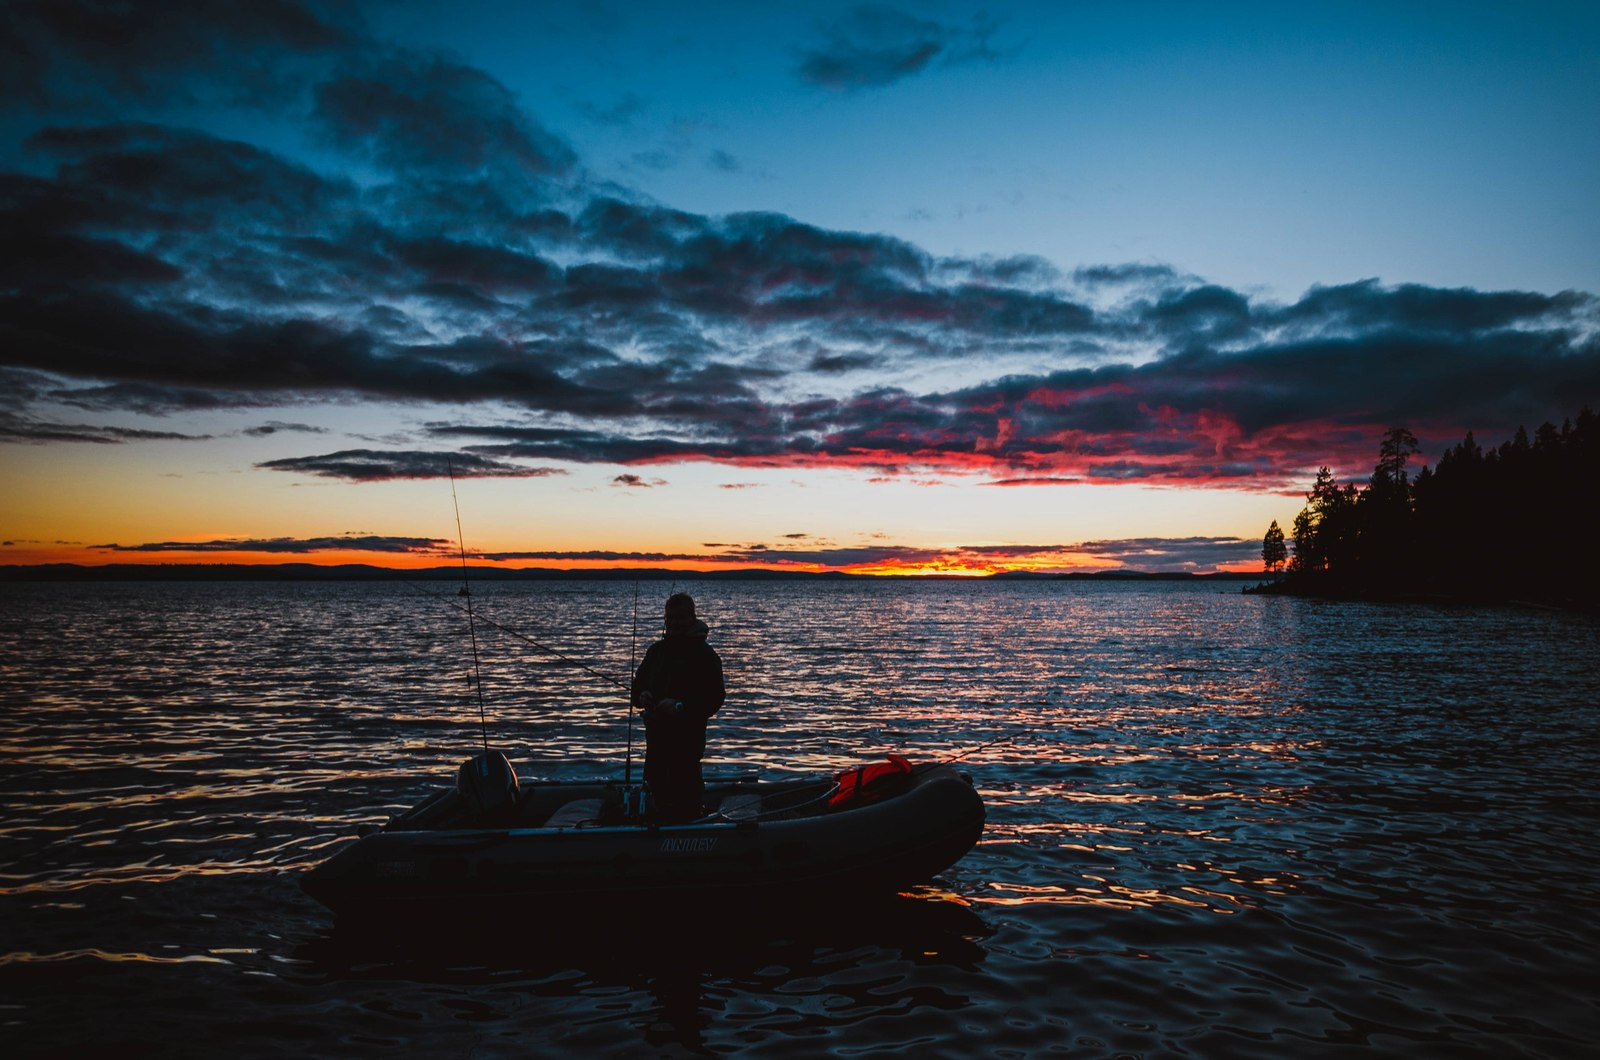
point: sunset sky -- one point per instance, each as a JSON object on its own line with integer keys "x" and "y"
{"x": 939, "y": 287}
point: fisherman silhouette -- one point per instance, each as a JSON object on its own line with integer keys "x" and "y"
{"x": 678, "y": 687}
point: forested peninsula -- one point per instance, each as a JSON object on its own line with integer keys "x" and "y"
{"x": 1511, "y": 523}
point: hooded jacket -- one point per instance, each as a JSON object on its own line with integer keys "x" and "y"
{"x": 681, "y": 666}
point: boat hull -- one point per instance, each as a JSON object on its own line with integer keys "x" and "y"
{"x": 881, "y": 847}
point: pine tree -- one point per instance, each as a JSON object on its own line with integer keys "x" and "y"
{"x": 1274, "y": 553}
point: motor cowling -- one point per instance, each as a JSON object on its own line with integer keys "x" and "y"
{"x": 489, "y": 787}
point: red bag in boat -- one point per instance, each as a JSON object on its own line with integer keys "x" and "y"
{"x": 864, "y": 784}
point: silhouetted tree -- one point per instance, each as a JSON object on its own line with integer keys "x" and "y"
{"x": 1398, "y": 446}
{"x": 1310, "y": 546}
{"x": 1386, "y": 518}
{"x": 1476, "y": 524}
{"x": 1305, "y": 544}
{"x": 1274, "y": 553}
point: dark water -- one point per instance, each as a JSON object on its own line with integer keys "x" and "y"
{"x": 1218, "y": 825}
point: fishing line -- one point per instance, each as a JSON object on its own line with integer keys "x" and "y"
{"x": 1005, "y": 737}
{"x": 1014, "y": 736}
{"x": 466, "y": 591}
{"x": 508, "y": 631}
{"x": 633, "y": 653}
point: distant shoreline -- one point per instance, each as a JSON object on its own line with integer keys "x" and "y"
{"x": 305, "y": 572}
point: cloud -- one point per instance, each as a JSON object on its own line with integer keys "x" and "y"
{"x": 1126, "y": 274}
{"x": 478, "y": 275}
{"x": 297, "y": 545}
{"x": 38, "y": 432}
{"x": 276, "y": 427}
{"x": 1235, "y": 397}
{"x": 875, "y": 45}
{"x": 87, "y": 56}
{"x": 424, "y": 114}
{"x": 599, "y": 556}
{"x": 373, "y": 465}
{"x": 1194, "y": 554}
{"x": 631, "y": 481}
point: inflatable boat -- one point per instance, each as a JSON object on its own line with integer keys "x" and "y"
{"x": 496, "y": 840}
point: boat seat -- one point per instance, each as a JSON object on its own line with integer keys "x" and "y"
{"x": 575, "y": 814}
{"x": 740, "y": 806}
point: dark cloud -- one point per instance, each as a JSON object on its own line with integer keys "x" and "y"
{"x": 89, "y": 55}
{"x": 25, "y": 430}
{"x": 1168, "y": 553}
{"x": 192, "y": 347}
{"x": 601, "y": 556}
{"x": 1201, "y": 316}
{"x": 424, "y": 114}
{"x": 1229, "y": 402}
{"x": 1017, "y": 270}
{"x": 1126, "y": 274}
{"x": 631, "y": 481}
{"x": 374, "y": 465}
{"x": 478, "y": 270}
{"x": 1418, "y": 310}
{"x": 296, "y": 545}
{"x": 139, "y": 177}
{"x": 874, "y": 45}
{"x": 276, "y": 427}
{"x": 1038, "y": 480}
{"x": 1195, "y": 554}
{"x": 150, "y": 399}
{"x": 838, "y": 363}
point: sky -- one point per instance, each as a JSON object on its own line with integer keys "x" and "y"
{"x": 874, "y": 287}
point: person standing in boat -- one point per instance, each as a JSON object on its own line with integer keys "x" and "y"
{"x": 678, "y": 686}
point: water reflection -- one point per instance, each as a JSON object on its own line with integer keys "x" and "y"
{"x": 1217, "y": 824}
{"x": 750, "y": 972}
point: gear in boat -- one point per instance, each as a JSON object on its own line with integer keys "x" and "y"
{"x": 497, "y": 838}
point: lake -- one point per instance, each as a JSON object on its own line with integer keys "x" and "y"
{"x": 1219, "y": 825}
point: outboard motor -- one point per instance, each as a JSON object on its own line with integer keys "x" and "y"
{"x": 488, "y": 786}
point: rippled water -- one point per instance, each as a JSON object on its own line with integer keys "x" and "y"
{"x": 1219, "y": 825}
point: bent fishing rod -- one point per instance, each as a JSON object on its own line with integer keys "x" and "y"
{"x": 466, "y": 591}
{"x": 633, "y": 654}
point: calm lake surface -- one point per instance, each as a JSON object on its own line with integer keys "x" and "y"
{"x": 1219, "y": 825}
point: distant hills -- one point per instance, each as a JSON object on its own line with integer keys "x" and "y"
{"x": 239, "y": 572}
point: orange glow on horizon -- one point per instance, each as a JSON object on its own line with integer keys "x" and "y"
{"x": 952, "y": 565}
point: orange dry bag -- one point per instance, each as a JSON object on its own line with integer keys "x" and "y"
{"x": 865, "y": 784}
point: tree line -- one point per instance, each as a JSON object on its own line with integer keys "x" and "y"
{"x": 1512, "y": 522}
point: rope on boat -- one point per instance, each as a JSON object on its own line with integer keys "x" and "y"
{"x": 786, "y": 811}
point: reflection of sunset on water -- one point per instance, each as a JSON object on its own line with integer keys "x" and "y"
{"x": 1192, "y": 795}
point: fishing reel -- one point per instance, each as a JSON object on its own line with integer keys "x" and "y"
{"x": 636, "y": 803}
{"x": 627, "y": 804}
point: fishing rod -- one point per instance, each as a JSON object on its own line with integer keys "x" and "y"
{"x": 633, "y": 653}
{"x": 466, "y": 591}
